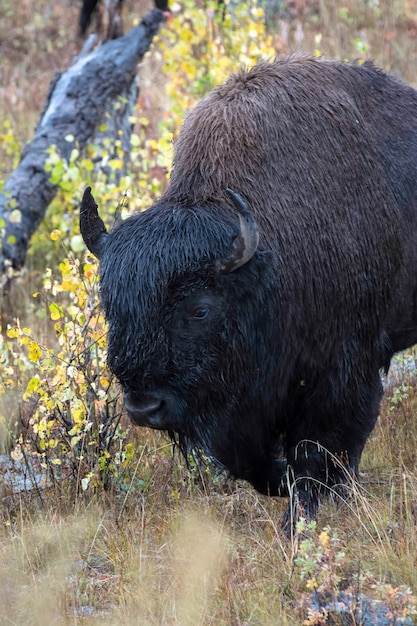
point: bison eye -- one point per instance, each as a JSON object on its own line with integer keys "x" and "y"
{"x": 199, "y": 312}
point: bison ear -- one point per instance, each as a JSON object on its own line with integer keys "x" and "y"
{"x": 245, "y": 243}
{"x": 92, "y": 227}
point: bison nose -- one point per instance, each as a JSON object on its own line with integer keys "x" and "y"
{"x": 150, "y": 411}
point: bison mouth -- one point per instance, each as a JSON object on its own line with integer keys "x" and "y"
{"x": 157, "y": 410}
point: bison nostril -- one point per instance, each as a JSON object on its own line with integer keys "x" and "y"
{"x": 148, "y": 407}
{"x": 145, "y": 412}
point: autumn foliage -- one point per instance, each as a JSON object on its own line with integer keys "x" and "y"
{"x": 122, "y": 525}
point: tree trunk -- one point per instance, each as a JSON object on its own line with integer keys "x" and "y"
{"x": 77, "y": 103}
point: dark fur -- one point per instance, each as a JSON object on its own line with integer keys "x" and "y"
{"x": 88, "y": 8}
{"x": 289, "y": 352}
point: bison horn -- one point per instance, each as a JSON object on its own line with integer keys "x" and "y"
{"x": 92, "y": 226}
{"x": 246, "y": 242}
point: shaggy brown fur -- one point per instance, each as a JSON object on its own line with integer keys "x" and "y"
{"x": 265, "y": 367}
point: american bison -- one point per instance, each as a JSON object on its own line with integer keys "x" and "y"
{"x": 252, "y": 307}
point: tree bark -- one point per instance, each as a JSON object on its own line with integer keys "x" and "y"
{"x": 76, "y": 105}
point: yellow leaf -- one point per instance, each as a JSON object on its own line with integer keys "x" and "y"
{"x": 65, "y": 267}
{"x": 55, "y": 235}
{"x": 116, "y": 164}
{"x": 78, "y": 415}
{"x": 55, "y": 311}
{"x": 68, "y": 285}
{"x": 35, "y": 352}
{"x": 32, "y": 386}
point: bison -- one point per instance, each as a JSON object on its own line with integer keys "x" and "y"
{"x": 253, "y": 306}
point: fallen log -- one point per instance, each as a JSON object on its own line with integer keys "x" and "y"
{"x": 76, "y": 106}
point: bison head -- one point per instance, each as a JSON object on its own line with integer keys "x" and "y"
{"x": 187, "y": 322}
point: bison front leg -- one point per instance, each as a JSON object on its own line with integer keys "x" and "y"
{"x": 323, "y": 457}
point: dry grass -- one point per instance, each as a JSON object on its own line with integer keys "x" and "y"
{"x": 186, "y": 549}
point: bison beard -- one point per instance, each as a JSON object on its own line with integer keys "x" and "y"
{"x": 252, "y": 324}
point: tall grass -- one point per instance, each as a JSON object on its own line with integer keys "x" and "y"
{"x": 171, "y": 545}
{"x": 206, "y": 558}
